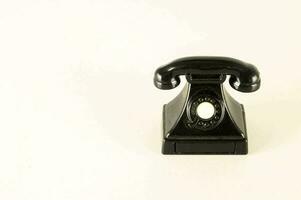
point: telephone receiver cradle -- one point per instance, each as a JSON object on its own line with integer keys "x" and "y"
{"x": 185, "y": 131}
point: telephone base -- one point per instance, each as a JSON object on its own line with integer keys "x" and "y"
{"x": 239, "y": 147}
{"x": 228, "y": 137}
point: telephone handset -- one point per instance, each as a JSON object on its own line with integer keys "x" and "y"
{"x": 223, "y": 131}
{"x": 244, "y": 76}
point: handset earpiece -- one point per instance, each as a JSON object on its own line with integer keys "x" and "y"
{"x": 242, "y": 86}
{"x": 165, "y": 79}
{"x": 247, "y": 80}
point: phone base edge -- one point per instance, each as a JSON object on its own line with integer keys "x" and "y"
{"x": 215, "y": 147}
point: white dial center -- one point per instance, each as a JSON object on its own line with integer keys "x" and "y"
{"x": 205, "y": 110}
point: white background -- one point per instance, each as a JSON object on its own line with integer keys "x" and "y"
{"x": 80, "y": 117}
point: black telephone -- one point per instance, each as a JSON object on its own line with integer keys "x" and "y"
{"x": 189, "y": 128}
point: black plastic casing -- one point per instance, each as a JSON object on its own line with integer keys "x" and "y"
{"x": 184, "y": 132}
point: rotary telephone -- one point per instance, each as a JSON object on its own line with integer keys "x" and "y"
{"x": 187, "y": 128}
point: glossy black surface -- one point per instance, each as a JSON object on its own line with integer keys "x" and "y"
{"x": 184, "y": 132}
{"x": 244, "y": 76}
